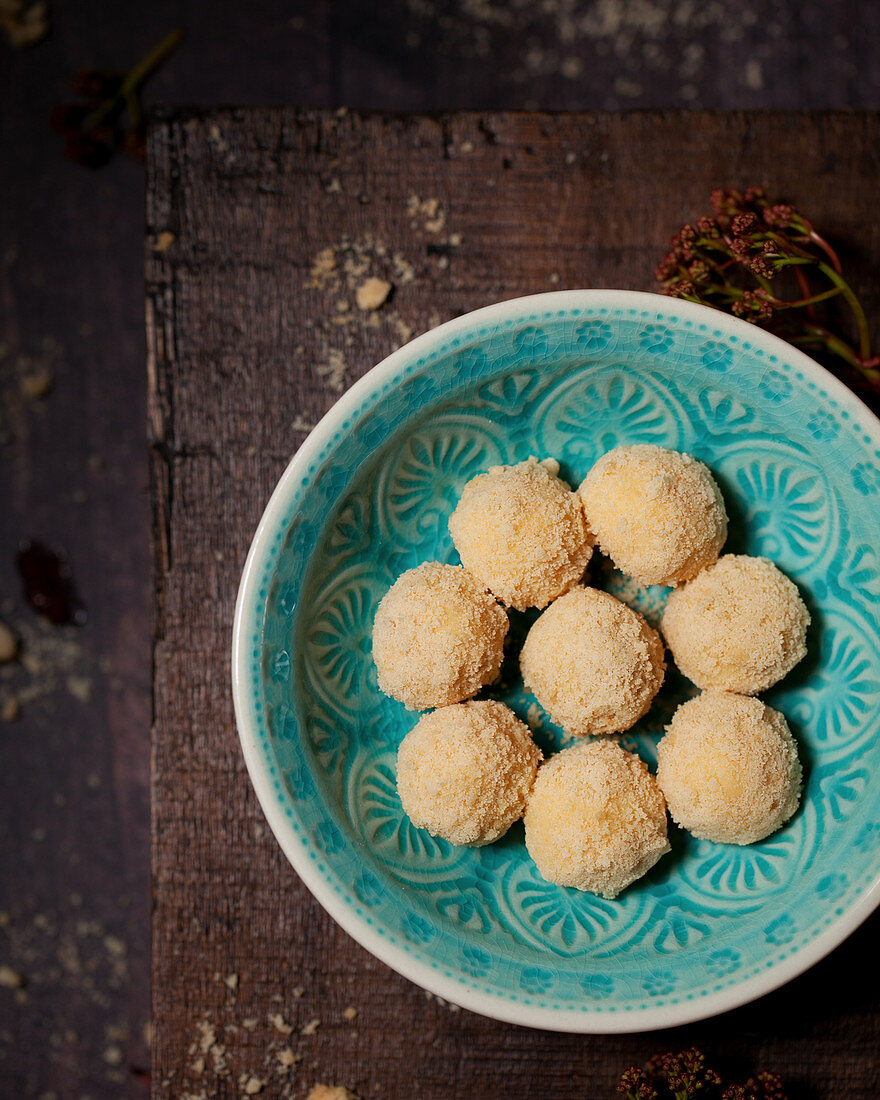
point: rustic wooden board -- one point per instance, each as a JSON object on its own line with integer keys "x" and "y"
{"x": 252, "y": 329}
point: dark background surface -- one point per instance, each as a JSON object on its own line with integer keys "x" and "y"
{"x": 74, "y": 879}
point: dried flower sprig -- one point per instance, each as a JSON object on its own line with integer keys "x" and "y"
{"x": 110, "y": 115}
{"x": 685, "y": 1076}
{"x": 737, "y": 261}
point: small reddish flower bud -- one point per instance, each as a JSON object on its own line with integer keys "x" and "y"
{"x": 779, "y": 215}
{"x": 743, "y": 225}
{"x": 708, "y": 227}
{"x": 761, "y": 266}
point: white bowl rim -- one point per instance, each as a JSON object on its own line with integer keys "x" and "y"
{"x": 244, "y": 624}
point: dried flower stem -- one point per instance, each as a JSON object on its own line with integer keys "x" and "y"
{"x": 134, "y": 78}
{"x": 733, "y": 261}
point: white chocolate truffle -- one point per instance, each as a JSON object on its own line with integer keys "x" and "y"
{"x": 438, "y": 637}
{"x": 729, "y": 768}
{"x": 740, "y": 625}
{"x": 595, "y": 819}
{"x": 657, "y": 514}
{"x": 521, "y": 531}
{"x": 592, "y": 663}
{"x": 464, "y": 772}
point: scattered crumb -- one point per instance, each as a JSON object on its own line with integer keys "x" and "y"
{"x": 402, "y": 329}
{"x": 10, "y": 709}
{"x": 443, "y": 1004}
{"x": 754, "y": 76}
{"x": 208, "y": 1036}
{"x": 372, "y": 293}
{"x": 466, "y": 147}
{"x": 300, "y": 424}
{"x": 250, "y": 1023}
{"x": 298, "y": 992}
{"x": 288, "y": 1057}
{"x": 164, "y": 241}
{"x": 426, "y": 214}
{"x": 114, "y": 946}
{"x": 215, "y": 136}
{"x": 279, "y": 1023}
{"x": 37, "y": 384}
{"x": 333, "y": 187}
{"x": 113, "y": 1056}
{"x": 333, "y": 371}
{"x": 311, "y": 1027}
{"x": 9, "y": 979}
{"x": 80, "y": 687}
{"x": 24, "y": 24}
{"x": 571, "y": 67}
{"x": 330, "y": 1092}
{"x": 253, "y": 1085}
{"x": 350, "y": 1013}
{"x": 8, "y": 643}
{"x": 324, "y": 269}
{"x": 626, "y": 87}
{"x": 231, "y": 981}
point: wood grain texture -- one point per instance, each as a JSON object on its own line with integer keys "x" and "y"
{"x": 252, "y": 333}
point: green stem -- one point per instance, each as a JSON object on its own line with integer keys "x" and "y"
{"x": 153, "y": 61}
{"x": 855, "y": 305}
{"x": 832, "y": 343}
{"x": 802, "y": 302}
{"x": 135, "y": 78}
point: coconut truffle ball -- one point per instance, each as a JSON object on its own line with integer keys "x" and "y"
{"x": 739, "y": 626}
{"x": 438, "y": 637}
{"x": 729, "y": 768}
{"x": 592, "y": 663}
{"x": 464, "y": 772}
{"x": 522, "y": 532}
{"x": 657, "y": 514}
{"x": 595, "y": 819}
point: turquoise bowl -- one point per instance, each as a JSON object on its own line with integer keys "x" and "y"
{"x": 569, "y": 375}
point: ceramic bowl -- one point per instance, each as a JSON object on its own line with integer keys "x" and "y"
{"x": 368, "y": 495}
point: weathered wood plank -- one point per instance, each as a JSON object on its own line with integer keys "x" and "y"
{"x": 252, "y": 334}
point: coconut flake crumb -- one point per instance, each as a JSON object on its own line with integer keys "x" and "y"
{"x": 279, "y": 1023}
{"x": 372, "y": 293}
{"x": 330, "y": 1092}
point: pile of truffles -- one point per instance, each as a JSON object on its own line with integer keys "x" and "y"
{"x": 594, "y": 815}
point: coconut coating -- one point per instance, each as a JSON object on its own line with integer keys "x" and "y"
{"x": 592, "y": 663}
{"x": 464, "y": 772}
{"x": 740, "y": 625}
{"x": 729, "y": 768}
{"x": 438, "y": 637}
{"x": 522, "y": 532}
{"x": 658, "y": 514}
{"x": 595, "y": 819}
